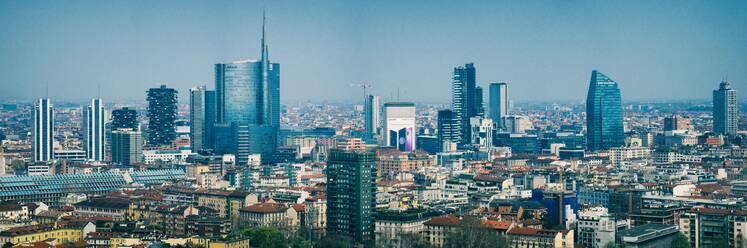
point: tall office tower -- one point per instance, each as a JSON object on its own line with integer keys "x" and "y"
{"x": 498, "y": 101}
{"x": 479, "y": 102}
{"x": 399, "y": 125}
{"x": 124, "y": 118}
{"x": 448, "y": 128}
{"x": 248, "y": 101}
{"x": 162, "y": 107}
{"x": 43, "y": 131}
{"x": 351, "y": 194}
{"x": 93, "y": 130}
{"x": 372, "y": 114}
{"x": 482, "y": 132}
{"x": 604, "y": 116}
{"x": 464, "y": 102}
{"x": 127, "y": 146}
{"x": 725, "y": 111}
{"x": 201, "y": 117}
{"x": 676, "y": 122}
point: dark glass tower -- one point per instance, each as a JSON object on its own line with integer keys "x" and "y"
{"x": 448, "y": 129}
{"x": 725, "y": 112}
{"x": 604, "y": 116}
{"x": 464, "y": 98}
{"x": 247, "y": 96}
{"x": 124, "y": 118}
{"x": 162, "y": 107}
{"x": 201, "y": 117}
{"x": 351, "y": 194}
{"x": 498, "y": 101}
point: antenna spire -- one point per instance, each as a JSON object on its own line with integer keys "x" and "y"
{"x": 264, "y": 42}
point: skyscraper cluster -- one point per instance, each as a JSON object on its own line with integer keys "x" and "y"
{"x": 466, "y": 99}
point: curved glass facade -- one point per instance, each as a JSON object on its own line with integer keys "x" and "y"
{"x": 604, "y": 117}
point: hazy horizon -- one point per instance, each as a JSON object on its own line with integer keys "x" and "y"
{"x": 545, "y": 50}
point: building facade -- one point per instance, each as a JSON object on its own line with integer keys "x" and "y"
{"x": 464, "y": 98}
{"x": 351, "y": 194}
{"x": 43, "y": 132}
{"x": 371, "y": 110}
{"x": 93, "y": 130}
{"x": 498, "y": 100}
{"x": 604, "y": 116}
{"x": 127, "y": 146}
{"x": 725, "y": 110}
{"x": 399, "y": 125}
{"x": 162, "y": 108}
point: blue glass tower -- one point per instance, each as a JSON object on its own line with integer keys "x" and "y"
{"x": 604, "y": 117}
{"x": 247, "y": 96}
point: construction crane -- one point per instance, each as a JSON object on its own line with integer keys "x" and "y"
{"x": 363, "y": 85}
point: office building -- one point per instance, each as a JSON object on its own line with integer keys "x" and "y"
{"x": 448, "y": 128}
{"x": 248, "y": 101}
{"x": 515, "y": 123}
{"x": 93, "y": 130}
{"x": 201, "y": 117}
{"x": 498, "y": 101}
{"x": 162, "y": 107}
{"x": 43, "y": 132}
{"x": 725, "y": 110}
{"x": 649, "y": 236}
{"x": 399, "y": 125}
{"x": 705, "y": 227}
{"x": 464, "y": 98}
{"x": 676, "y": 122}
{"x": 351, "y": 194}
{"x": 124, "y": 118}
{"x": 479, "y": 97}
{"x": 604, "y": 116}
{"x": 127, "y": 146}
{"x": 372, "y": 109}
{"x": 482, "y": 132}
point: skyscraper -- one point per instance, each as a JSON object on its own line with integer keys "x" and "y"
{"x": 351, "y": 194}
{"x": 399, "y": 125}
{"x": 201, "y": 117}
{"x": 162, "y": 107}
{"x": 127, "y": 146}
{"x": 479, "y": 97}
{"x": 93, "y": 130}
{"x": 372, "y": 114}
{"x": 498, "y": 101}
{"x": 676, "y": 122}
{"x": 464, "y": 98}
{"x": 725, "y": 111}
{"x": 448, "y": 129}
{"x": 124, "y": 118}
{"x": 604, "y": 116}
{"x": 43, "y": 132}
{"x": 248, "y": 100}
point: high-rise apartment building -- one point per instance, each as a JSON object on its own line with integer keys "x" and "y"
{"x": 248, "y": 101}
{"x": 399, "y": 125}
{"x": 371, "y": 110}
{"x": 725, "y": 111}
{"x": 124, "y": 118}
{"x": 127, "y": 146}
{"x": 162, "y": 110}
{"x": 466, "y": 99}
{"x": 43, "y": 132}
{"x": 498, "y": 101}
{"x": 351, "y": 194}
{"x": 515, "y": 123}
{"x": 604, "y": 116}
{"x": 93, "y": 130}
{"x": 481, "y": 132}
{"x": 201, "y": 117}
{"x": 448, "y": 128}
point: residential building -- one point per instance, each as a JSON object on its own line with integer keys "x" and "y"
{"x": 162, "y": 108}
{"x": 351, "y": 194}
{"x": 725, "y": 110}
{"x": 127, "y": 146}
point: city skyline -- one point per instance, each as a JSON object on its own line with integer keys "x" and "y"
{"x": 646, "y": 55}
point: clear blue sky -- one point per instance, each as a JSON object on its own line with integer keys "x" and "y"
{"x": 544, "y": 49}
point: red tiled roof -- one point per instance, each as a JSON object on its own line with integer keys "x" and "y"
{"x": 299, "y": 207}
{"x": 266, "y": 207}
{"x": 446, "y": 220}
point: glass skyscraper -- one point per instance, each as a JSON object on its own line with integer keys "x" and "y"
{"x": 162, "y": 107}
{"x": 448, "y": 130}
{"x": 93, "y": 130}
{"x": 725, "y": 111}
{"x": 466, "y": 98}
{"x": 201, "y": 117}
{"x": 247, "y": 95}
{"x": 604, "y": 116}
{"x": 371, "y": 110}
{"x": 498, "y": 101}
{"x": 43, "y": 132}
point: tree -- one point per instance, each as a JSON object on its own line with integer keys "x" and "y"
{"x": 680, "y": 241}
{"x": 265, "y": 237}
{"x": 7, "y": 245}
{"x": 470, "y": 232}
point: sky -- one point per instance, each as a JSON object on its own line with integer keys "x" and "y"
{"x": 545, "y": 50}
